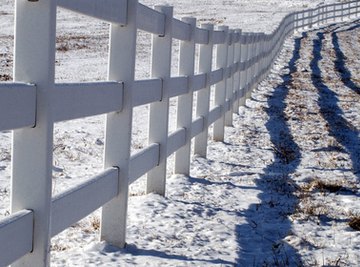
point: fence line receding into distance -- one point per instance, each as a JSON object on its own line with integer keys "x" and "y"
{"x": 34, "y": 102}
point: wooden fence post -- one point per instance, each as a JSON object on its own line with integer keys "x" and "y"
{"x": 311, "y": 14}
{"x": 253, "y": 56}
{"x": 32, "y": 147}
{"x": 159, "y": 111}
{"x": 321, "y": 11}
{"x": 256, "y": 65}
{"x": 203, "y": 96}
{"x": 185, "y": 102}
{"x": 259, "y": 48}
{"x": 220, "y": 88}
{"x": 243, "y": 77}
{"x": 262, "y": 60}
{"x": 237, "y": 59}
{"x": 230, "y": 80}
{"x": 299, "y": 26}
{"x": 266, "y": 50}
{"x": 249, "y": 52}
{"x": 252, "y": 68}
{"x": 119, "y": 124}
{"x": 293, "y": 23}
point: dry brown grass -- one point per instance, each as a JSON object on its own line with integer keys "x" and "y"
{"x": 95, "y": 223}
{"x": 322, "y": 186}
{"x": 354, "y": 223}
{"x": 5, "y": 77}
{"x": 92, "y": 226}
{"x": 327, "y": 186}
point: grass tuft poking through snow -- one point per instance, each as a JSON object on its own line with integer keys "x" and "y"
{"x": 355, "y": 223}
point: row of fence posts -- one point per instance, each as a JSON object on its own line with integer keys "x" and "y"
{"x": 35, "y": 63}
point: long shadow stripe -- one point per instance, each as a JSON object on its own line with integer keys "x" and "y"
{"x": 340, "y": 65}
{"x": 339, "y": 128}
{"x": 260, "y": 240}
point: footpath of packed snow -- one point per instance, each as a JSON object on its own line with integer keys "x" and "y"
{"x": 280, "y": 191}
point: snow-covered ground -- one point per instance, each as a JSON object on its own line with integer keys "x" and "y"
{"x": 281, "y": 189}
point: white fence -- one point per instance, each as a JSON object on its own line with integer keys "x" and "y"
{"x": 34, "y": 102}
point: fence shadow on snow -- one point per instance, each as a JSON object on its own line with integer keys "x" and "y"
{"x": 341, "y": 129}
{"x": 261, "y": 243}
{"x": 340, "y": 63}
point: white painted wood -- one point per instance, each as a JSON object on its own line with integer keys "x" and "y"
{"x": 143, "y": 161}
{"x": 311, "y": 18}
{"x": 159, "y": 112}
{"x": 326, "y": 14}
{"x": 203, "y": 96}
{"x": 34, "y": 62}
{"x": 354, "y": 8}
{"x": 150, "y": 20}
{"x": 181, "y": 30}
{"x": 298, "y": 20}
{"x": 176, "y": 140}
{"x": 17, "y": 105}
{"x": 185, "y": 102}
{"x": 147, "y": 91}
{"x": 235, "y": 36}
{"x": 234, "y": 67}
{"x": 16, "y": 235}
{"x": 117, "y": 137}
{"x": 230, "y": 79}
{"x": 198, "y": 82}
{"x": 202, "y": 36}
{"x": 78, "y": 100}
{"x": 243, "y": 66}
{"x": 248, "y": 75}
{"x": 214, "y": 115}
{"x": 228, "y": 105}
{"x": 76, "y": 203}
{"x": 220, "y": 89}
{"x": 197, "y": 127}
{"x": 216, "y": 76}
{"x": 227, "y": 71}
{"x": 267, "y": 61}
{"x": 237, "y": 59}
{"x": 253, "y": 56}
{"x": 262, "y": 51}
{"x": 107, "y": 10}
{"x": 176, "y": 86}
{"x": 220, "y": 36}
{"x": 258, "y": 59}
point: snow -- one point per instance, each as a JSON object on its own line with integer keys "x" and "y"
{"x": 256, "y": 200}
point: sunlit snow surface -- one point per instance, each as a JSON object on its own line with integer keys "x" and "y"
{"x": 255, "y": 201}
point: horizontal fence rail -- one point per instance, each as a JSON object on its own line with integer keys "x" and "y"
{"x": 34, "y": 102}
